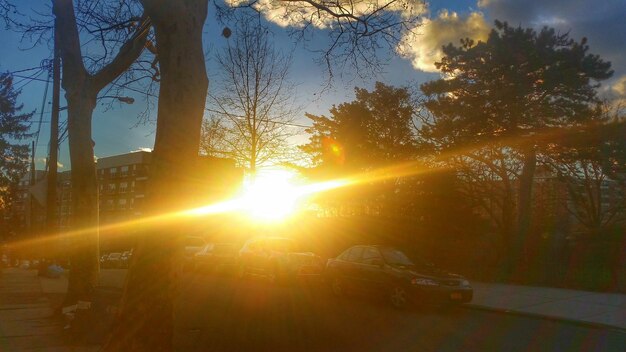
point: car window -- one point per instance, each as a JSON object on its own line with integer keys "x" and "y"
{"x": 354, "y": 255}
{"x": 396, "y": 257}
{"x": 370, "y": 256}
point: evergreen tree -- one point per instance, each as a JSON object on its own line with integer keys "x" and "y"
{"x": 14, "y": 129}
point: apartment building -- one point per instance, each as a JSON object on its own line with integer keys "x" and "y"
{"x": 122, "y": 183}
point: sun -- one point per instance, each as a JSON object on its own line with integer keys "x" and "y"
{"x": 271, "y": 195}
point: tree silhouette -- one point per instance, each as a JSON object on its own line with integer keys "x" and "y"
{"x": 374, "y": 130}
{"x": 509, "y": 89}
{"x": 252, "y": 100}
{"x": 14, "y": 128}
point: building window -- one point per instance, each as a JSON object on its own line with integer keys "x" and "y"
{"x": 123, "y": 187}
{"x": 110, "y": 204}
{"x": 113, "y": 171}
{"x": 124, "y": 171}
{"x": 121, "y": 203}
{"x": 112, "y": 188}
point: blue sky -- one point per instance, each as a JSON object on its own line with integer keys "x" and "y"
{"x": 115, "y": 127}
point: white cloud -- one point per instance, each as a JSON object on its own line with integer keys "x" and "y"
{"x": 423, "y": 46}
{"x": 297, "y": 13}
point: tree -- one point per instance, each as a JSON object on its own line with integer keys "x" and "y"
{"x": 14, "y": 128}
{"x": 591, "y": 163}
{"x": 253, "y": 98}
{"x": 82, "y": 88}
{"x": 374, "y": 130}
{"x": 509, "y": 89}
{"x": 146, "y": 316}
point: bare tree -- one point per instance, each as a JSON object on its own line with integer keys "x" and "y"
{"x": 253, "y": 97}
{"x": 97, "y": 43}
{"x": 212, "y": 138}
{"x": 591, "y": 163}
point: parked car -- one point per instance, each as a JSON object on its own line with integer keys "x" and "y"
{"x": 216, "y": 257}
{"x": 193, "y": 245}
{"x": 103, "y": 259}
{"x": 125, "y": 259}
{"x": 114, "y": 261}
{"x": 277, "y": 259}
{"x": 24, "y": 264}
{"x": 387, "y": 271}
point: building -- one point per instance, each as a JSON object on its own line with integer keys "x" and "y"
{"x": 122, "y": 183}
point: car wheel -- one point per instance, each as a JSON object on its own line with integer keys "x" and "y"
{"x": 398, "y": 297}
{"x": 337, "y": 287}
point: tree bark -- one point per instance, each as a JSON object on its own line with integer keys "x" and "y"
{"x": 81, "y": 102}
{"x": 85, "y": 245}
{"x": 82, "y": 90}
{"x": 146, "y": 318}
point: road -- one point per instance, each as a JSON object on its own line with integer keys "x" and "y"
{"x": 223, "y": 314}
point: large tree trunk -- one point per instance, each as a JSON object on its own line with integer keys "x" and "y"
{"x": 82, "y": 89}
{"x": 146, "y": 313}
{"x": 81, "y": 100}
{"x": 84, "y": 223}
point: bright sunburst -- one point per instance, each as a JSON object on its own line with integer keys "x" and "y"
{"x": 271, "y": 195}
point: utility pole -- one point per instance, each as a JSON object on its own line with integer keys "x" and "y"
{"x": 31, "y": 198}
{"x": 51, "y": 190}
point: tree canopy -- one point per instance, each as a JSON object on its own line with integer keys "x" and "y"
{"x": 513, "y": 85}
{"x": 14, "y": 128}
{"x": 373, "y": 130}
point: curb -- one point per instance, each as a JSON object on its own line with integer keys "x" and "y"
{"x": 586, "y": 324}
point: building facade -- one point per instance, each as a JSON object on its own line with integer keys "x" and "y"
{"x": 122, "y": 184}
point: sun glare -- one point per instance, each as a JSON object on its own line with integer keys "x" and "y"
{"x": 271, "y": 195}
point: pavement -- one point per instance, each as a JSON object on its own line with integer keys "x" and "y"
{"x": 601, "y": 309}
{"x": 27, "y": 303}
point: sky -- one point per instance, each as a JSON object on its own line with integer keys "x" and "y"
{"x": 116, "y": 129}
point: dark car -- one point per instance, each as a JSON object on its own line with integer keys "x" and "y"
{"x": 387, "y": 271}
{"x": 277, "y": 259}
{"x": 216, "y": 257}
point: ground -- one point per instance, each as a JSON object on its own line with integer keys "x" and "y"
{"x": 218, "y": 314}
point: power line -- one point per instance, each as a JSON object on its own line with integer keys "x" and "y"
{"x": 33, "y": 78}
{"x": 24, "y": 70}
{"x": 206, "y": 109}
